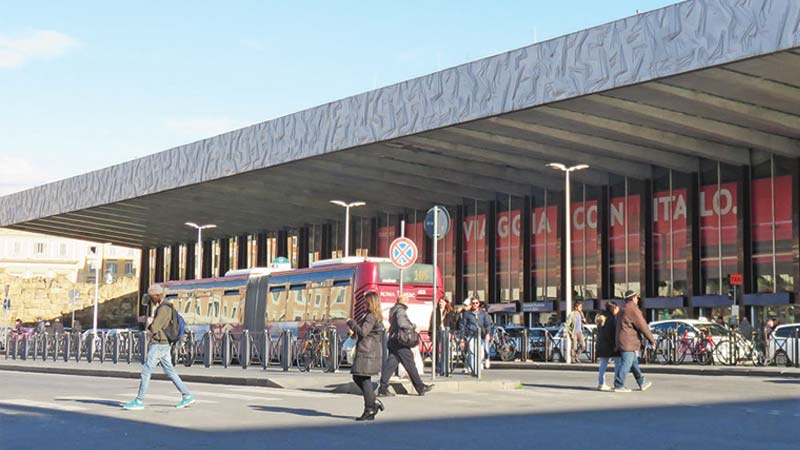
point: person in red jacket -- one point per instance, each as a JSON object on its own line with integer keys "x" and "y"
{"x": 630, "y": 327}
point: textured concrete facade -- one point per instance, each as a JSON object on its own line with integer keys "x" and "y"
{"x": 673, "y": 40}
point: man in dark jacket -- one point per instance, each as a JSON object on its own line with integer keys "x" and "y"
{"x": 159, "y": 351}
{"x": 630, "y": 326}
{"x": 474, "y": 325}
{"x": 399, "y": 354}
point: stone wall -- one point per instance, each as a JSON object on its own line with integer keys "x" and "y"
{"x": 49, "y": 299}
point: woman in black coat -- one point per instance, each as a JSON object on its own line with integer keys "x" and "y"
{"x": 369, "y": 354}
{"x": 606, "y": 342}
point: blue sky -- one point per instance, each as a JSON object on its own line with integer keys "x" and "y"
{"x": 86, "y": 85}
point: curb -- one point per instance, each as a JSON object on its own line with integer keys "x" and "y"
{"x": 653, "y": 369}
{"x": 191, "y": 378}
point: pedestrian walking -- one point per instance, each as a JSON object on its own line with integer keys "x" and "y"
{"x": 474, "y": 325}
{"x": 630, "y": 326}
{"x": 606, "y": 342}
{"x": 399, "y": 350}
{"x": 159, "y": 351}
{"x": 574, "y": 329}
{"x": 369, "y": 354}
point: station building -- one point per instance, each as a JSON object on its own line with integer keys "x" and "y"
{"x": 688, "y": 118}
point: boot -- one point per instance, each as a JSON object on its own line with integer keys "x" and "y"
{"x": 368, "y": 414}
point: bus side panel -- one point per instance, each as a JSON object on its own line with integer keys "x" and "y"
{"x": 255, "y": 304}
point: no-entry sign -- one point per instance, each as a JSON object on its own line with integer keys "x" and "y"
{"x": 403, "y": 253}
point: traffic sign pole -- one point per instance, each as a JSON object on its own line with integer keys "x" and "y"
{"x": 402, "y": 235}
{"x": 435, "y": 296}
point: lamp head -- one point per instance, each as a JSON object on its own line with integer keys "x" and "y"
{"x": 339, "y": 203}
{"x": 557, "y": 166}
{"x": 192, "y": 224}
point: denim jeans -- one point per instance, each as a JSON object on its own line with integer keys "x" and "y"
{"x": 162, "y": 353}
{"x": 629, "y": 362}
{"x": 472, "y": 347}
{"x": 601, "y": 376}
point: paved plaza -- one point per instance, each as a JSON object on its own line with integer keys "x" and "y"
{"x": 553, "y": 409}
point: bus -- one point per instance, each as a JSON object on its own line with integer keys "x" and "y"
{"x": 327, "y": 293}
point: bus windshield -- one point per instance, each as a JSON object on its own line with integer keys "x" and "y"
{"x": 417, "y": 274}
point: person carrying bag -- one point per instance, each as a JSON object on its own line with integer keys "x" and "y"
{"x": 402, "y": 337}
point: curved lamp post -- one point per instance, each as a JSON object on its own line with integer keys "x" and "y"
{"x": 347, "y": 207}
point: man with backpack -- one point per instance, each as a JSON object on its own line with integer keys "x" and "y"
{"x": 165, "y": 329}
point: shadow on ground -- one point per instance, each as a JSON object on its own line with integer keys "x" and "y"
{"x": 740, "y": 425}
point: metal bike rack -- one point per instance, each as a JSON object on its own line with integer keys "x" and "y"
{"x": 244, "y": 349}
{"x": 445, "y": 355}
{"x": 333, "y": 354}
{"x": 523, "y": 347}
{"x": 208, "y": 349}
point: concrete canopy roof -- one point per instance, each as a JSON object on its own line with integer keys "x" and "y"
{"x": 699, "y": 79}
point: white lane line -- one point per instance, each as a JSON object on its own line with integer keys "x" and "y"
{"x": 233, "y": 396}
{"x": 36, "y": 404}
{"x": 169, "y": 398}
{"x": 281, "y": 392}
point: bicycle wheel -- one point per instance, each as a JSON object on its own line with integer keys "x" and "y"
{"x": 704, "y": 356}
{"x": 682, "y": 351}
{"x": 664, "y": 351}
{"x": 305, "y": 359}
{"x": 723, "y": 352}
{"x": 507, "y": 351}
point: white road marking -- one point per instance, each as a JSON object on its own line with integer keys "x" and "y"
{"x": 172, "y": 398}
{"x": 37, "y": 404}
{"x": 282, "y": 392}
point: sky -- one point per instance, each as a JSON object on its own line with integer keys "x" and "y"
{"x": 86, "y": 85}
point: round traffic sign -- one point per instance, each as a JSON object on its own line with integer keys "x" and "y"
{"x": 403, "y": 253}
{"x": 442, "y": 222}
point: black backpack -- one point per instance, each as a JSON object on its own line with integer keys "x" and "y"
{"x": 175, "y": 329}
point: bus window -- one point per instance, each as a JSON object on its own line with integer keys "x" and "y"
{"x": 296, "y": 307}
{"x": 187, "y": 308}
{"x": 276, "y": 306}
{"x": 213, "y": 309}
{"x": 340, "y": 301}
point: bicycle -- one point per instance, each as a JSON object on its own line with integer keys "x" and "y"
{"x": 736, "y": 349}
{"x": 701, "y": 349}
{"x": 504, "y": 345}
{"x": 315, "y": 351}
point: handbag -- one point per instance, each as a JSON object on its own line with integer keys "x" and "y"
{"x": 408, "y": 338}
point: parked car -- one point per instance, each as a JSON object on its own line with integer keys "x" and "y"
{"x": 781, "y": 348}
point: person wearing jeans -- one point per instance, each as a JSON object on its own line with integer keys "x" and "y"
{"x": 474, "y": 325}
{"x": 159, "y": 351}
{"x": 630, "y": 326}
{"x": 606, "y": 342}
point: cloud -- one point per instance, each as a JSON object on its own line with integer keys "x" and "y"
{"x": 19, "y": 50}
{"x": 196, "y": 129}
{"x": 17, "y": 174}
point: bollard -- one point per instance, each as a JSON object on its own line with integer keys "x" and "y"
{"x": 115, "y": 349}
{"x": 102, "y": 341}
{"x": 8, "y": 343}
{"x": 523, "y": 353}
{"x": 78, "y": 346}
{"x": 593, "y": 354}
{"x": 36, "y": 339}
{"x": 45, "y": 346}
{"x": 24, "y": 347}
{"x": 797, "y": 347}
{"x": 333, "y": 355}
{"x": 67, "y": 345}
{"x": 56, "y": 346}
{"x": 129, "y": 353}
{"x": 445, "y": 356}
{"x": 286, "y": 349}
{"x": 266, "y": 350}
{"x": 478, "y": 355}
{"x": 244, "y": 349}
{"x": 208, "y": 349}
{"x": 547, "y": 345}
{"x": 226, "y": 349}
{"x": 143, "y": 345}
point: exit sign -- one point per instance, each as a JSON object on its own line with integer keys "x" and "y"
{"x": 735, "y": 279}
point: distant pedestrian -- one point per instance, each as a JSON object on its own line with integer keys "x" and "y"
{"x": 606, "y": 342}
{"x": 630, "y": 326}
{"x": 487, "y": 342}
{"x": 159, "y": 351}
{"x": 58, "y": 327}
{"x": 745, "y": 329}
{"x": 76, "y": 326}
{"x": 574, "y": 329}
{"x": 18, "y": 326}
{"x": 443, "y": 317}
{"x": 369, "y": 354}
{"x": 400, "y": 353}
{"x": 41, "y": 327}
{"x": 769, "y": 328}
{"x": 474, "y": 324}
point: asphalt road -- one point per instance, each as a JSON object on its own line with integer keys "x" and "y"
{"x": 551, "y": 409}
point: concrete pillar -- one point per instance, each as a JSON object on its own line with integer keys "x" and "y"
{"x": 224, "y": 256}
{"x": 282, "y": 245}
{"x": 208, "y": 258}
{"x": 175, "y": 262}
{"x": 191, "y": 262}
{"x": 159, "y": 277}
{"x": 241, "y": 252}
{"x": 302, "y": 247}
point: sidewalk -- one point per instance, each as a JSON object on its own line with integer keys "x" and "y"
{"x": 683, "y": 369}
{"x": 339, "y": 382}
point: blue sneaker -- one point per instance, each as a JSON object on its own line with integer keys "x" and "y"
{"x": 185, "y": 402}
{"x": 134, "y": 404}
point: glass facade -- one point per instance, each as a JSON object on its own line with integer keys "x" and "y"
{"x": 772, "y": 199}
{"x": 670, "y": 241}
{"x": 508, "y": 248}
{"x": 475, "y": 254}
{"x": 585, "y": 250}
{"x": 624, "y": 235}
{"x": 545, "y": 245}
{"x": 718, "y": 210}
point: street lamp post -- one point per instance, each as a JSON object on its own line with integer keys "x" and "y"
{"x": 199, "y": 252}
{"x": 347, "y": 207}
{"x": 568, "y": 244}
{"x": 98, "y": 261}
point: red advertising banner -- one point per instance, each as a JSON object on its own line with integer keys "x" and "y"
{"x": 474, "y": 241}
{"x": 385, "y": 237}
{"x": 509, "y": 225}
{"x": 762, "y": 202}
{"x": 664, "y": 208}
{"x": 416, "y": 232}
{"x": 718, "y": 212}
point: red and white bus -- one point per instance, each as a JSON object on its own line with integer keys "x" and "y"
{"x": 327, "y": 293}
